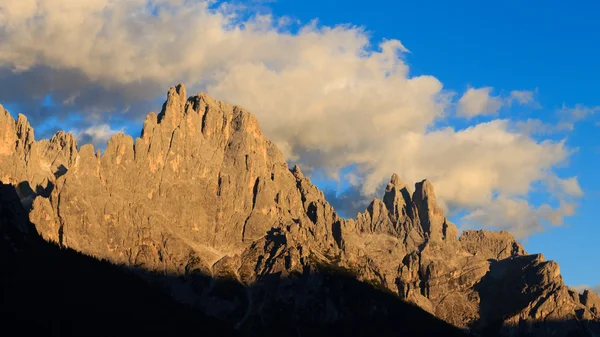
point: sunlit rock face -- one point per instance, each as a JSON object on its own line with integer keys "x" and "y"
{"x": 203, "y": 191}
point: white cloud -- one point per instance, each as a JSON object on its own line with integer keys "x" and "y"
{"x": 517, "y": 216}
{"x": 569, "y": 186}
{"x": 325, "y": 95}
{"x": 522, "y": 96}
{"x": 97, "y": 135}
{"x": 534, "y": 126}
{"x": 477, "y": 102}
{"x": 566, "y": 117}
{"x": 572, "y": 115}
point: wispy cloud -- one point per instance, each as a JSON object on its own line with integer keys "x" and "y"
{"x": 521, "y": 97}
{"x": 328, "y": 96}
{"x": 571, "y": 115}
{"x": 566, "y": 118}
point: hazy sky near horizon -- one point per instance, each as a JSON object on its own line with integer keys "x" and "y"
{"x": 496, "y": 103}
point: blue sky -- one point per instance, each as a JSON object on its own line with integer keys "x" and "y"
{"x": 297, "y": 78}
{"x": 553, "y": 46}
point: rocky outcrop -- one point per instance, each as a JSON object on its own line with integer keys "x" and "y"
{"x": 491, "y": 245}
{"x": 202, "y": 191}
{"x": 591, "y": 300}
{"x": 32, "y": 166}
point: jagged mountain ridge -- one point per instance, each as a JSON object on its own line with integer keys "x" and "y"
{"x": 202, "y": 190}
{"x": 52, "y": 291}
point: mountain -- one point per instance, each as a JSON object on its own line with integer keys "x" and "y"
{"x": 205, "y": 208}
{"x": 52, "y": 291}
{"x": 49, "y": 291}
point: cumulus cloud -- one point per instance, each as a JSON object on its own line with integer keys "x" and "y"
{"x": 534, "y": 126}
{"x": 97, "y": 134}
{"x": 475, "y": 102}
{"x": 518, "y": 216}
{"x": 326, "y": 95}
{"x": 479, "y": 102}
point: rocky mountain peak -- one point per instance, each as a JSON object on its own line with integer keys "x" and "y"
{"x": 173, "y": 109}
{"x": 433, "y": 221}
{"x": 149, "y": 125}
{"x": 64, "y": 140}
{"x": 7, "y": 133}
{"x": 396, "y": 181}
{"x": 297, "y": 172}
{"x": 397, "y": 200}
{"x": 203, "y": 191}
{"x": 14, "y": 135}
{"x": 591, "y": 300}
{"x": 24, "y": 133}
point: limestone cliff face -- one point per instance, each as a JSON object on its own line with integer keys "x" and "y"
{"x": 201, "y": 183}
{"x": 202, "y": 190}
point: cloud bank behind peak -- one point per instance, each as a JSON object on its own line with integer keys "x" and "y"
{"x": 328, "y": 96}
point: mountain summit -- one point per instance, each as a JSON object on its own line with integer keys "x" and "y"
{"x": 202, "y": 193}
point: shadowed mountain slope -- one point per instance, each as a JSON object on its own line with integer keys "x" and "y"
{"x": 53, "y": 291}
